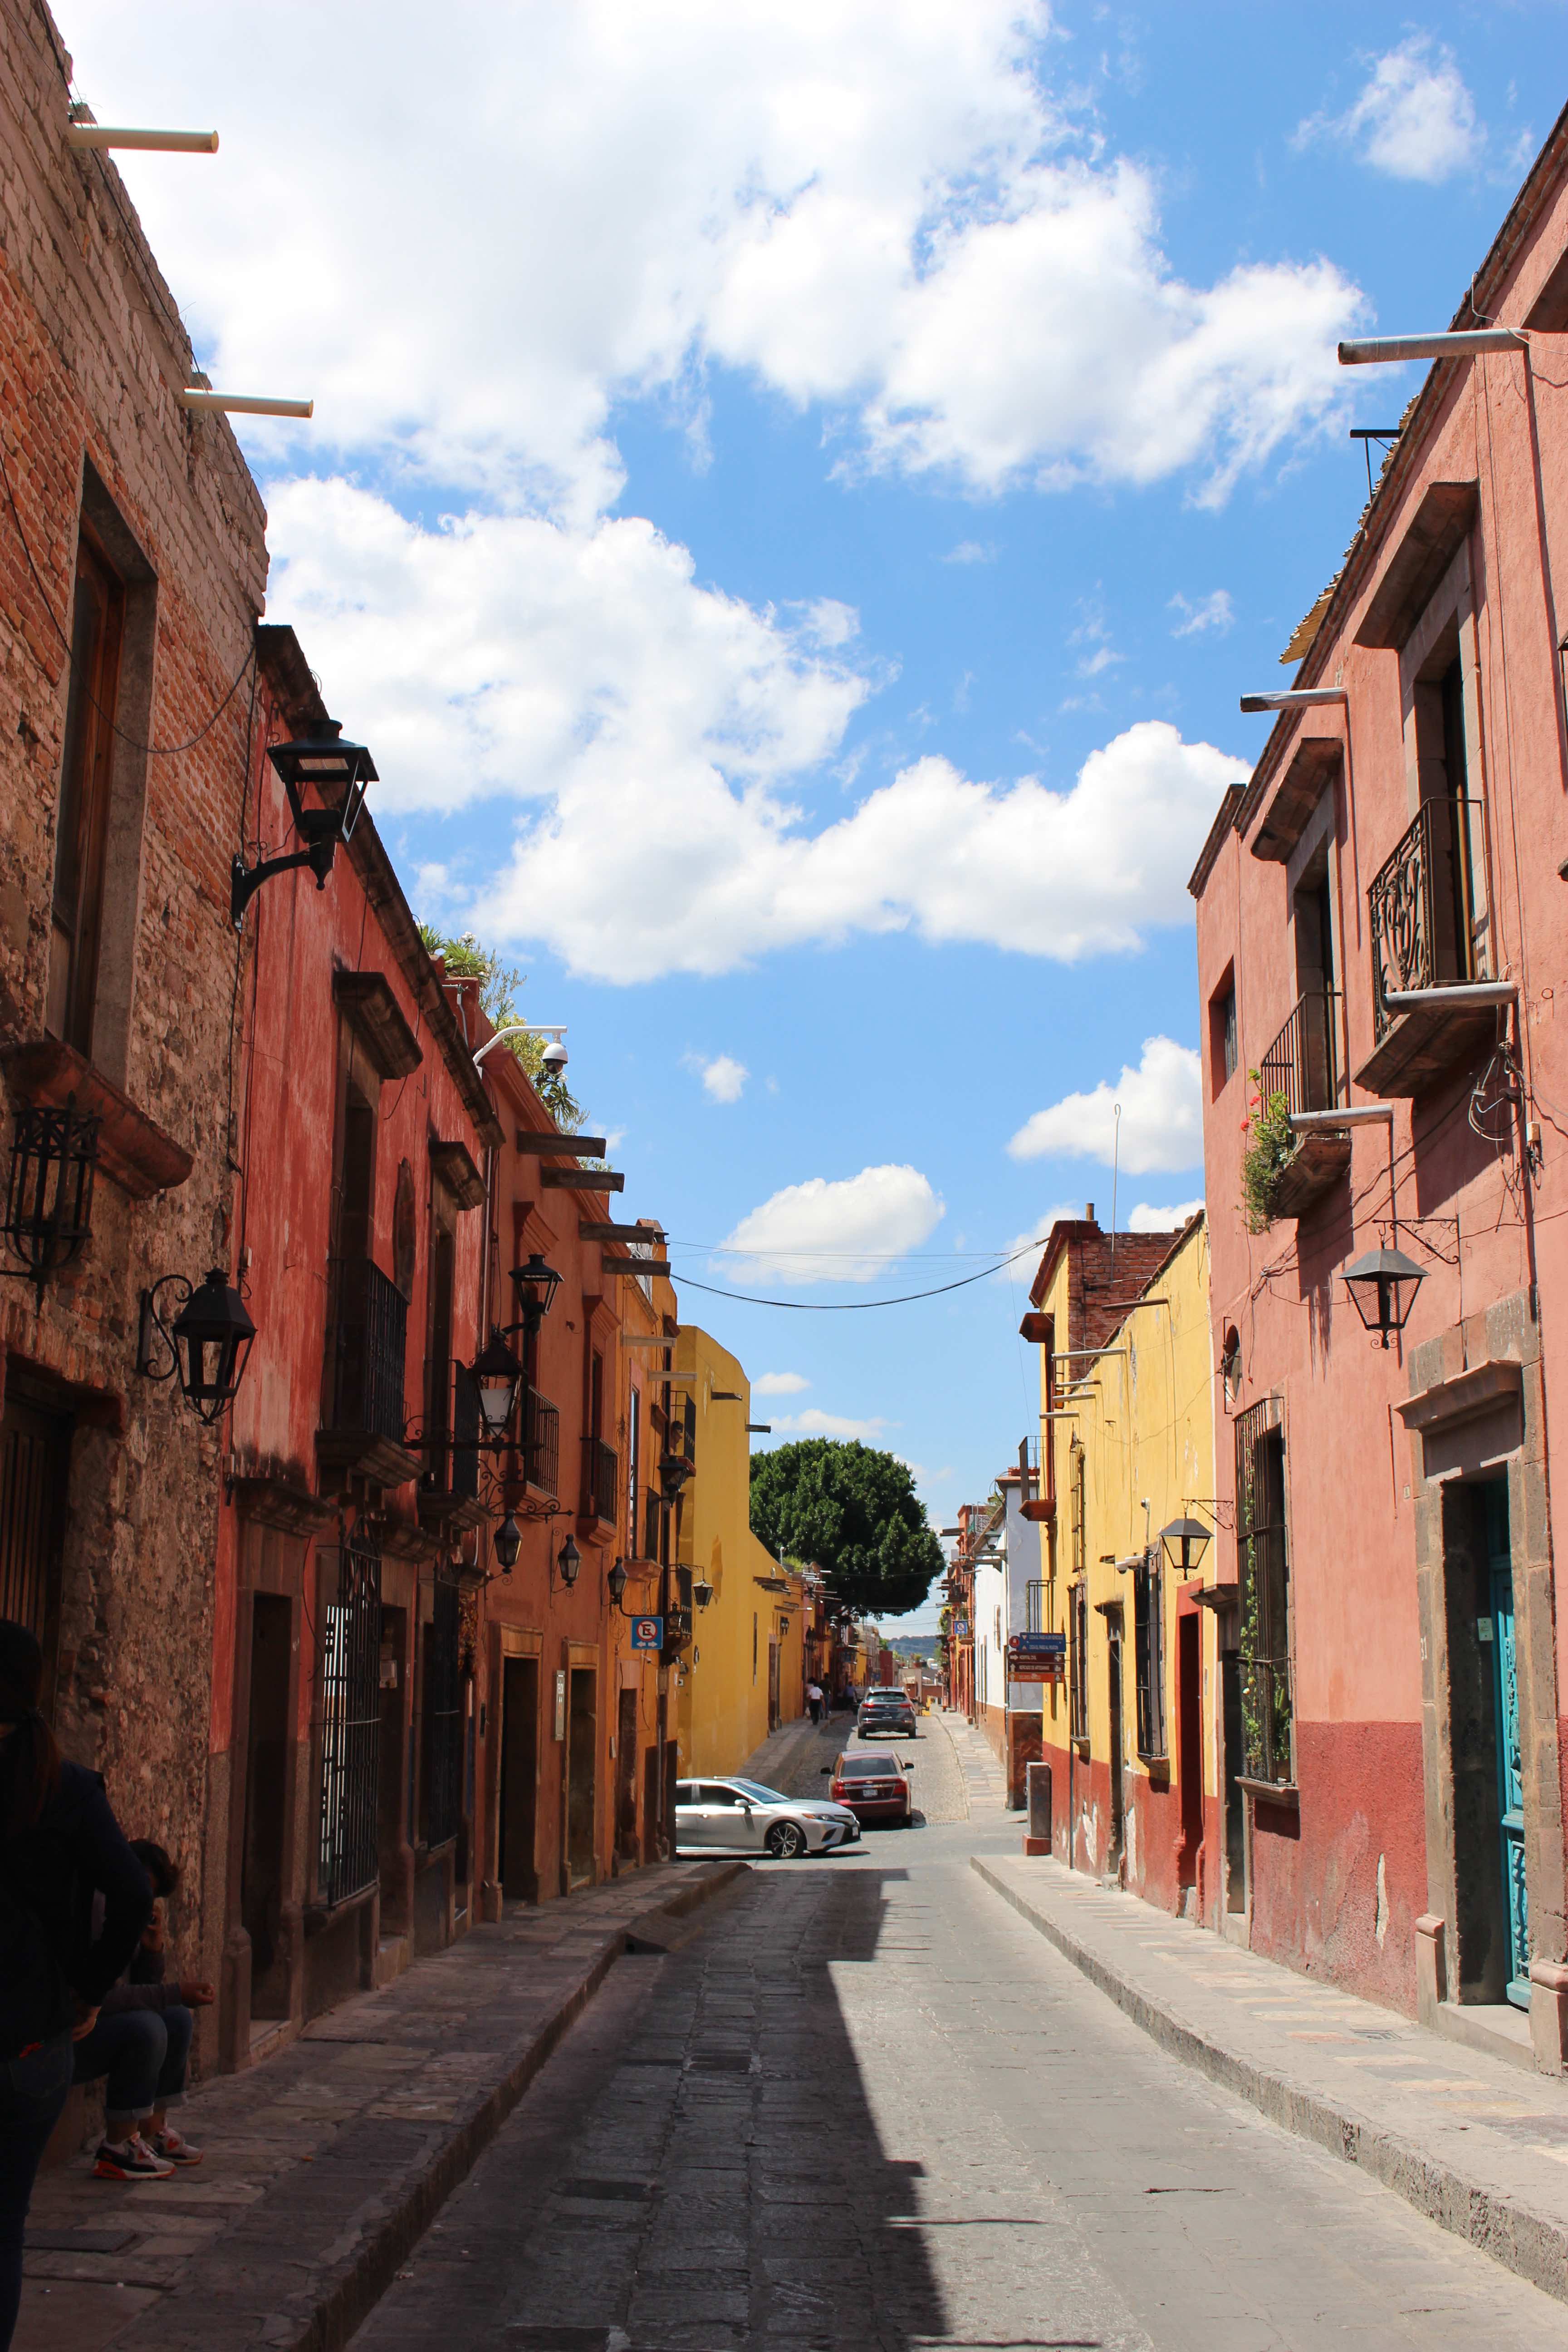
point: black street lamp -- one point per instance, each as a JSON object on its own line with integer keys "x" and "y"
{"x": 1382, "y": 1286}
{"x": 1186, "y": 1542}
{"x": 48, "y": 1196}
{"x": 337, "y": 774}
{"x": 508, "y": 1541}
{"x": 702, "y": 1593}
{"x": 615, "y": 1582}
{"x": 568, "y": 1560}
{"x": 209, "y": 1341}
{"x": 537, "y": 1284}
{"x": 498, "y": 1375}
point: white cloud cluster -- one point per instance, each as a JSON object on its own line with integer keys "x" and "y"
{"x": 850, "y": 1229}
{"x": 1147, "y": 1219}
{"x": 1212, "y": 612}
{"x": 769, "y": 1384}
{"x": 723, "y": 1078}
{"x": 830, "y": 1424}
{"x": 504, "y": 230}
{"x": 1414, "y": 120}
{"x": 1160, "y": 1122}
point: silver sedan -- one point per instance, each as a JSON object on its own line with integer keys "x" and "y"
{"x": 745, "y": 1817}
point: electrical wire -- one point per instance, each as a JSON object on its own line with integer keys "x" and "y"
{"x": 863, "y": 1306}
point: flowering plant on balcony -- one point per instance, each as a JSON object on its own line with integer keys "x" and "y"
{"x": 1269, "y": 1148}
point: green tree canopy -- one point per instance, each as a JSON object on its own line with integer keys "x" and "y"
{"x": 854, "y": 1511}
{"x": 465, "y": 958}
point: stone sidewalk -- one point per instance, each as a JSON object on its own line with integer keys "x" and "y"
{"x": 1471, "y": 2141}
{"x": 325, "y": 2163}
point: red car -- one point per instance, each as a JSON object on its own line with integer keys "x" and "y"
{"x": 874, "y": 1785}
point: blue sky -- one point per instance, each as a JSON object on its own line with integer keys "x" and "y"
{"x": 796, "y": 492}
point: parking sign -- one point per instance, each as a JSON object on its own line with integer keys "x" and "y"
{"x": 648, "y": 1633}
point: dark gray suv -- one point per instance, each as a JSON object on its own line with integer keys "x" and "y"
{"x": 886, "y": 1711}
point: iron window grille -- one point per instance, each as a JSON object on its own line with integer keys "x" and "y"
{"x": 1422, "y": 905}
{"x": 541, "y": 1443}
{"x": 1302, "y": 1066}
{"x": 1035, "y": 1608}
{"x": 1149, "y": 1654}
{"x": 348, "y": 1857}
{"x": 1077, "y": 1661}
{"x": 1266, "y": 1726}
{"x": 602, "y": 1485}
{"x": 1079, "y": 1561}
{"x": 370, "y": 1349}
{"x": 441, "y": 1730}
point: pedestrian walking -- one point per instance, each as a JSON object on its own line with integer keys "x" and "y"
{"x": 60, "y": 1843}
{"x": 141, "y": 2044}
{"x": 813, "y": 1700}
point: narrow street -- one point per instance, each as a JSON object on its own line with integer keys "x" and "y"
{"x": 866, "y": 2104}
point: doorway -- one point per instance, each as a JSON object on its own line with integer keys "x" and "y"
{"x": 626, "y": 1776}
{"x": 1118, "y": 1795}
{"x": 392, "y": 1675}
{"x": 1234, "y": 1797}
{"x": 1486, "y": 1752}
{"x": 519, "y": 1778}
{"x": 1506, "y": 1741}
{"x": 267, "y": 1783}
{"x": 34, "y": 1454}
{"x": 1190, "y": 1739}
{"x": 582, "y": 1749}
{"x": 651, "y": 1811}
{"x": 775, "y": 1718}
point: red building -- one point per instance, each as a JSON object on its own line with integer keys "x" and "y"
{"x": 1381, "y": 925}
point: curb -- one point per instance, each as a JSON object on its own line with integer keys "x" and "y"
{"x": 322, "y": 2314}
{"x": 1532, "y": 2244}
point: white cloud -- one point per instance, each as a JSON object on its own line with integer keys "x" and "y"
{"x": 845, "y": 1231}
{"x": 1147, "y": 1219}
{"x": 1209, "y": 613}
{"x": 1162, "y": 1119}
{"x": 1023, "y": 1252}
{"x": 971, "y": 550}
{"x": 1415, "y": 120}
{"x": 882, "y": 211}
{"x": 723, "y": 1078}
{"x": 779, "y": 1384}
{"x": 1093, "y": 637}
{"x": 830, "y": 1425}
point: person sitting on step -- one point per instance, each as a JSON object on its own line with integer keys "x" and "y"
{"x": 142, "y": 2042}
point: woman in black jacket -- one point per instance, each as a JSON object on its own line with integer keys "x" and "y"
{"x": 59, "y": 1846}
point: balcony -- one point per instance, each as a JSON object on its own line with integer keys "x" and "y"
{"x": 541, "y": 1444}
{"x": 1038, "y": 1502}
{"x": 450, "y": 1490}
{"x": 1303, "y": 1066}
{"x": 363, "y": 1425}
{"x": 1425, "y": 933}
{"x": 601, "y": 1482}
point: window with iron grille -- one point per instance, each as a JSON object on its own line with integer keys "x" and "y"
{"x": 1264, "y": 1568}
{"x": 1080, "y": 1562}
{"x": 1149, "y": 1654}
{"x": 1078, "y": 1659}
{"x": 348, "y": 1859}
{"x": 1035, "y": 1607}
{"x": 441, "y": 1730}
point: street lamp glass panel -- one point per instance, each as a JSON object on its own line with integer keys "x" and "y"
{"x": 335, "y": 771}
{"x": 1382, "y": 1286}
{"x": 702, "y": 1593}
{"x": 1186, "y": 1542}
{"x": 212, "y": 1335}
{"x": 497, "y": 1375}
{"x": 539, "y": 1283}
{"x": 568, "y": 1560}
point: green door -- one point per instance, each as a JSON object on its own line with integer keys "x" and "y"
{"x": 1510, "y": 1779}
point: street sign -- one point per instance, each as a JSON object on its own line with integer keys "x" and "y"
{"x": 648, "y": 1633}
{"x": 961, "y": 1629}
{"x": 1047, "y": 1646}
{"x": 1037, "y": 1669}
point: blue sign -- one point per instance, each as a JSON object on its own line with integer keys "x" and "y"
{"x": 648, "y": 1633}
{"x": 1040, "y": 1646}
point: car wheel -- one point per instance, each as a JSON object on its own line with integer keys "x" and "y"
{"x": 786, "y": 1841}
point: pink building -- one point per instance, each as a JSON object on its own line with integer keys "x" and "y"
{"x": 1382, "y": 921}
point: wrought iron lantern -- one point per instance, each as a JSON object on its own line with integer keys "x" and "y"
{"x": 1382, "y": 1286}
{"x": 508, "y": 1541}
{"x": 209, "y": 1341}
{"x": 497, "y": 1376}
{"x": 537, "y": 1284}
{"x": 568, "y": 1560}
{"x": 615, "y": 1582}
{"x": 49, "y": 1199}
{"x": 337, "y": 774}
{"x": 1185, "y": 1540}
{"x": 702, "y": 1593}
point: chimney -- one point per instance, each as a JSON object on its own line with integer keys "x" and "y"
{"x": 1088, "y": 1213}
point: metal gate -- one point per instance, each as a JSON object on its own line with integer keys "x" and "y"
{"x": 34, "y": 1447}
{"x": 349, "y": 1859}
{"x": 442, "y": 1736}
{"x": 1265, "y": 1635}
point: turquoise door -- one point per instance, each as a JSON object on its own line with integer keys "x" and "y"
{"x": 1510, "y": 1781}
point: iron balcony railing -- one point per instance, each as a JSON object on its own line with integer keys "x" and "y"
{"x": 370, "y": 1344}
{"x": 1303, "y": 1063}
{"x": 602, "y": 1483}
{"x": 1422, "y": 905}
{"x": 541, "y": 1443}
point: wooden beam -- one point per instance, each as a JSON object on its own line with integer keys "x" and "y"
{"x": 564, "y": 1147}
{"x": 636, "y": 1265}
{"x": 621, "y": 1232}
{"x": 581, "y": 1180}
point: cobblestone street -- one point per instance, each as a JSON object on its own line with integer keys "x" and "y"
{"x": 824, "y": 2122}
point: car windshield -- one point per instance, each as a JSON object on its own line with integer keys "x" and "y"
{"x": 759, "y": 1795}
{"x": 868, "y": 1768}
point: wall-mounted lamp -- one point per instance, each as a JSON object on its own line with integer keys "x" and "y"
{"x": 1186, "y": 1542}
{"x": 568, "y": 1560}
{"x": 702, "y": 1593}
{"x": 508, "y": 1542}
{"x": 48, "y": 1196}
{"x": 498, "y": 1375}
{"x": 615, "y": 1583}
{"x": 1382, "y": 1286}
{"x": 536, "y": 1285}
{"x": 338, "y": 774}
{"x": 207, "y": 1343}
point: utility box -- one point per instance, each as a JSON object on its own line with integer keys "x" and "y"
{"x": 1037, "y": 1799}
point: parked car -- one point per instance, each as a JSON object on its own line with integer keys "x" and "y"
{"x": 743, "y": 1817}
{"x": 874, "y": 1788}
{"x": 886, "y": 1711}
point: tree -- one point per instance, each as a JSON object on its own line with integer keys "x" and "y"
{"x": 853, "y": 1510}
{"x": 465, "y": 958}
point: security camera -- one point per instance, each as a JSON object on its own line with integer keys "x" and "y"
{"x": 554, "y": 1058}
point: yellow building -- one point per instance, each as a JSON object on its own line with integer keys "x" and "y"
{"x": 743, "y": 1673}
{"x": 1127, "y": 1455}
